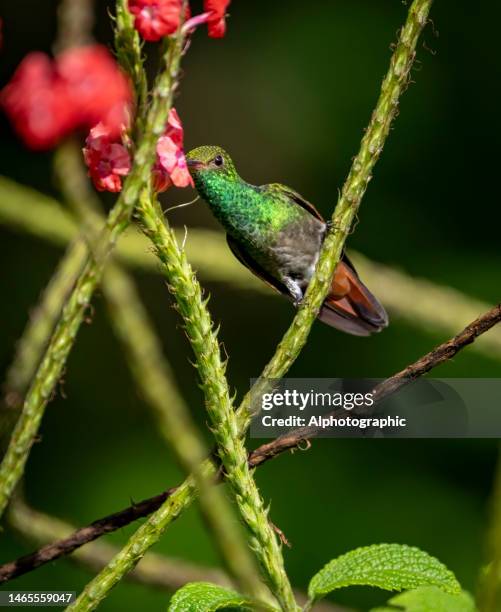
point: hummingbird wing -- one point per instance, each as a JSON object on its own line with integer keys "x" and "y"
{"x": 244, "y": 258}
{"x": 350, "y": 306}
{"x": 275, "y": 188}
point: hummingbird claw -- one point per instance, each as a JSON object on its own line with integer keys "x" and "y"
{"x": 294, "y": 290}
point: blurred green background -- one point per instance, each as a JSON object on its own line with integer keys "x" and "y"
{"x": 288, "y": 93}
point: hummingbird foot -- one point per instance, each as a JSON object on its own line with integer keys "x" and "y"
{"x": 294, "y": 289}
{"x": 329, "y": 225}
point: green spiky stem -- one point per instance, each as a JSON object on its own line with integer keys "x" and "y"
{"x": 142, "y": 540}
{"x": 38, "y": 330}
{"x": 155, "y": 570}
{"x": 143, "y": 352}
{"x": 204, "y": 342}
{"x": 51, "y": 366}
{"x": 393, "y": 85}
{"x": 128, "y": 46}
{"x": 36, "y": 335}
{"x": 154, "y": 378}
{"x": 203, "y": 339}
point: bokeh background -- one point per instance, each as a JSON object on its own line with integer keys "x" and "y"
{"x": 288, "y": 93}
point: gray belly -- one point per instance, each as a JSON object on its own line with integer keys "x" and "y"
{"x": 296, "y": 250}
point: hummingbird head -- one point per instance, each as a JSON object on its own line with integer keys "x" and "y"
{"x": 208, "y": 162}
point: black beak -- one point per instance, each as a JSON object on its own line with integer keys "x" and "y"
{"x": 195, "y": 164}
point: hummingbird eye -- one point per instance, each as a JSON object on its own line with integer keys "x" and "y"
{"x": 218, "y": 160}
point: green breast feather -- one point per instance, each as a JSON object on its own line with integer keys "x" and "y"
{"x": 254, "y": 216}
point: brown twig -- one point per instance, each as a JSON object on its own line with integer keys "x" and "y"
{"x": 440, "y": 354}
{"x": 82, "y": 536}
{"x": 154, "y": 570}
{"x": 268, "y": 451}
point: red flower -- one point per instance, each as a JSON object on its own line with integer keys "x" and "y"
{"x": 96, "y": 87}
{"x": 216, "y": 23}
{"x": 106, "y": 158}
{"x": 46, "y": 100}
{"x": 37, "y": 103}
{"x": 170, "y": 167}
{"x": 155, "y": 19}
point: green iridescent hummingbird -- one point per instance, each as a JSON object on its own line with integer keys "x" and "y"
{"x": 277, "y": 234}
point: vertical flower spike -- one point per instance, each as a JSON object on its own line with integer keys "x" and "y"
{"x": 36, "y": 101}
{"x": 106, "y": 158}
{"x": 216, "y": 22}
{"x": 171, "y": 168}
{"x": 155, "y": 19}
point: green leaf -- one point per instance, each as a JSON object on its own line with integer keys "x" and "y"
{"x": 206, "y": 597}
{"x": 394, "y": 567}
{"x": 429, "y": 599}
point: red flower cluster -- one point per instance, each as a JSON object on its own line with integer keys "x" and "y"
{"x": 48, "y": 99}
{"x": 108, "y": 159}
{"x": 155, "y": 19}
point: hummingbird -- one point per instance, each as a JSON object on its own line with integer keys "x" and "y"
{"x": 277, "y": 235}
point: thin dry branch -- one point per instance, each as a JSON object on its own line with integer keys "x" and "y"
{"x": 112, "y": 522}
{"x": 154, "y": 570}
{"x": 440, "y": 354}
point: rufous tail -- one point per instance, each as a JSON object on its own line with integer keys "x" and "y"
{"x": 350, "y": 306}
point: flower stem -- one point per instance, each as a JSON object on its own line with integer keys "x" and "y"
{"x": 42, "y": 321}
{"x": 155, "y": 570}
{"x": 393, "y": 85}
{"x": 51, "y": 366}
{"x": 146, "y": 536}
{"x": 128, "y": 47}
{"x": 155, "y": 379}
{"x": 203, "y": 339}
{"x": 188, "y": 295}
{"x": 36, "y": 335}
